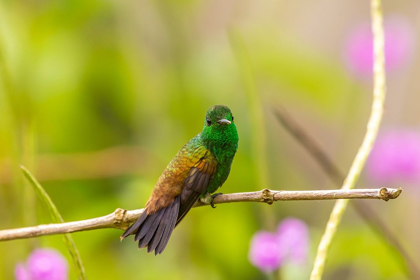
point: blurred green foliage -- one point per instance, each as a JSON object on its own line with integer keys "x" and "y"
{"x": 78, "y": 77}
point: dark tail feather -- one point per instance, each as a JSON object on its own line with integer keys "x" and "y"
{"x": 133, "y": 228}
{"x": 154, "y": 231}
{"x": 156, "y": 238}
{"x": 169, "y": 227}
{"x": 149, "y": 229}
{"x": 147, "y": 225}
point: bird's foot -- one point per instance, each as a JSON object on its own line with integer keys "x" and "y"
{"x": 208, "y": 199}
{"x": 212, "y": 197}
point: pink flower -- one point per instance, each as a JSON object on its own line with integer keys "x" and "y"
{"x": 294, "y": 240}
{"x": 395, "y": 157}
{"x": 265, "y": 251}
{"x": 399, "y": 43}
{"x": 269, "y": 250}
{"x": 43, "y": 264}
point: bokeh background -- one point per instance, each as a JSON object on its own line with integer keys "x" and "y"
{"x": 96, "y": 97}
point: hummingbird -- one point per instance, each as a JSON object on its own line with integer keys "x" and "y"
{"x": 196, "y": 172}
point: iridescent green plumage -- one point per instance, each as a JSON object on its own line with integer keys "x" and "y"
{"x": 199, "y": 168}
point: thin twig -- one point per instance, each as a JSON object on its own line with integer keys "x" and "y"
{"x": 120, "y": 218}
{"x": 309, "y": 144}
{"x": 367, "y": 144}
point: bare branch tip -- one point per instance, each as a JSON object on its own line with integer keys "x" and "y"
{"x": 387, "y": 194}
{"x": 397, "y": 193}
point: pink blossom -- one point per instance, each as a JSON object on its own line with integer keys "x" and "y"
{"x": 43, "y": 264}
{"x": 294, "y": 240}
{"x": 265, "y": 251}
{"x": 399, "y": 43}
{"x": 395, "y": 157}
{"x": 290, "y": 243}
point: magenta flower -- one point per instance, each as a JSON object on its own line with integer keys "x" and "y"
{"x": 43, "y": 264}
{"x": 293, "y": 238}
{"x": 265, "y": 251}
{"x": 269, "y": 250}
{"x": 395, "y": 157}
{"x": 399, "y": 43}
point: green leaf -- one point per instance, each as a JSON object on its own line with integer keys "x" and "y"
{"x": 56, "y": 217}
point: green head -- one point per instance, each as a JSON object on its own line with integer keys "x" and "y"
{"x": 219, "y": 131}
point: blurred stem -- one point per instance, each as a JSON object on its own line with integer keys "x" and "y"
{"x": 364, "y": 150}
{"x": 28, "y": 158}
{"x": 259, "y": 150}
{"x": 271, "y": 275}
{"x": 278, "y": 273}
{"x": 311, "y": 146}
{"x": 56, "y": 217}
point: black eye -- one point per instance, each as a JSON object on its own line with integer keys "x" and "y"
{"x": 232, "y": 118}
{"x": 208, "y": 122}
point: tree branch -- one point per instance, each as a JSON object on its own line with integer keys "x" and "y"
{"x": 120, "y": 218}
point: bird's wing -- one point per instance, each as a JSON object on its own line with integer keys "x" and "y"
{"x": 178, "y": 188}
{"x": 197, "y": 181}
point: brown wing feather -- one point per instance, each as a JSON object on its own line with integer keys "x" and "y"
{"x": 178, "y": 188}
{"x": 195, "y": 185}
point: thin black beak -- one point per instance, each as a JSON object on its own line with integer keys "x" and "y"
{"x": 224, "y": 121}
